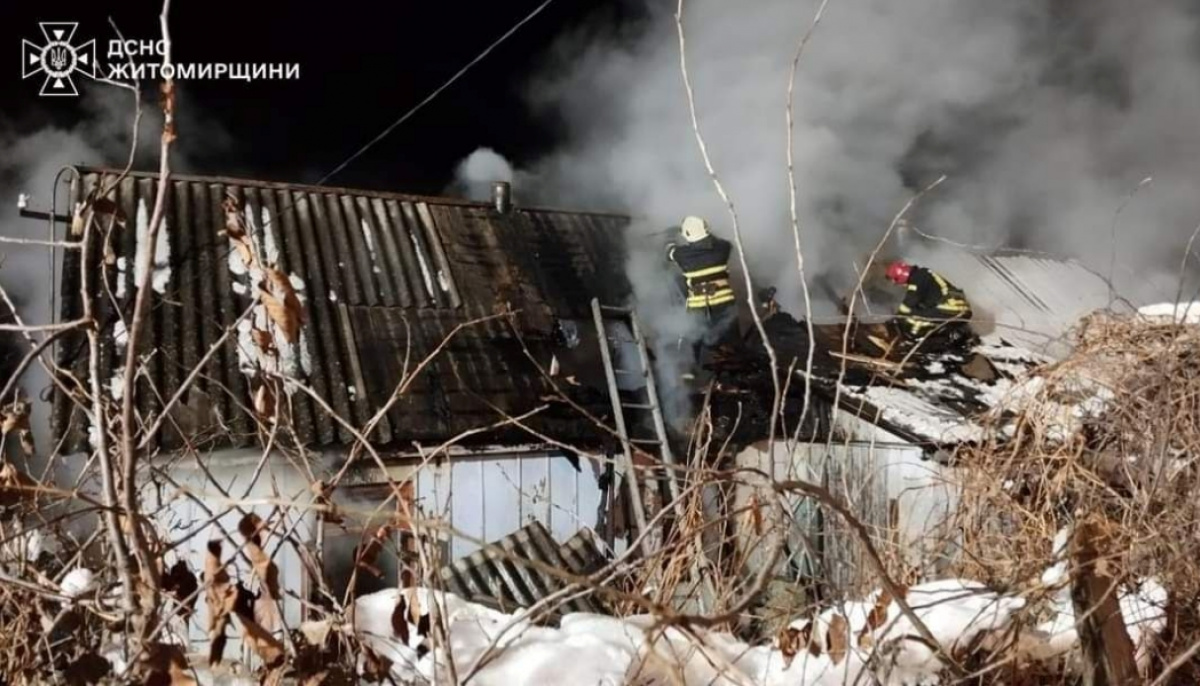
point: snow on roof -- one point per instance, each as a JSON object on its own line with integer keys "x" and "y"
{"x": 1182, "y": 313}
{"x": 937, "y": 403}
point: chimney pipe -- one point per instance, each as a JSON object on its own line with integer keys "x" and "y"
{"x": 502, "y": 197}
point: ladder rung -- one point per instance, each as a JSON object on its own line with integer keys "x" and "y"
{"x": 645, "y": 441}
{"x": 637, "y": 406}
{"x": 626, "y": 371}
{"x": 614, "y": 308}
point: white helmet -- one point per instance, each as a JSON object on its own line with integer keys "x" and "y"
{"x": 694, "y": 229}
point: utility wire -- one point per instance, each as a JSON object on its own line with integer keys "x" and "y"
{"x": 437, "y": 92}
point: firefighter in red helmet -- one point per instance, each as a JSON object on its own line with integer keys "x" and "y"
{"x": 935, "y": 313}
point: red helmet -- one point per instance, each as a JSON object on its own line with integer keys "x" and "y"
{"x": 899, "y": 271}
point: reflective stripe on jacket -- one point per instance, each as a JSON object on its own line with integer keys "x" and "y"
{"x": 705, "y": 266}
{"x": 931, "y": 300}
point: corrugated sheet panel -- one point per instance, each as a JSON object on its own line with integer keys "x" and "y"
{"x": 384, "y": 280}
{"x": 513, "y": 573}
{"x": 1033, "y": 301}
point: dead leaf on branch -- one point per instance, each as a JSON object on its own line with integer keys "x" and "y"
{"x": 367, "y": 554}
{"x": 400, "y": 620}
{"x": 323, "y": 491}
{"x": 837, "y": 642}
{"x": 235, "y": 230}
{"x": 264, "y": 644}
{"x": 16, "y": 420}
{"x": 283, "y": 306}
{"x": 790, "y": 641}
{"x": 265, "y": 607}
{"x": 263, "y": 340}
{"x": 221, "y": 596}
{"x": 264, "y": 403}
{"x": 15, "y": 486}
{"x": 181, "y": 584}
{"x": 166, "y": 665}
{"x": 756, "y": 517}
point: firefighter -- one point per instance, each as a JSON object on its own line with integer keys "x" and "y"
{"x": 935, "y": 313}
{"x": 704, "y": 261}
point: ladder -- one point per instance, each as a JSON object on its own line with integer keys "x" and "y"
{"x": 625, "y": 413}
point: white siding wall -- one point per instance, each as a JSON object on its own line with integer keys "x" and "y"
{"x": 487, "y": 498}
{"x": 183, "y": 517}
{"x": 877, "y": 481}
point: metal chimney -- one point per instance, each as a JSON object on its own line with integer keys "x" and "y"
{"x": 502, "y": 197}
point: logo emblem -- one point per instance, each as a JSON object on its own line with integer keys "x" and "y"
{"x": 58, "y": 58}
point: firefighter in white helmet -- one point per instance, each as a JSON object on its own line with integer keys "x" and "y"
{"x": 704, "y": 261}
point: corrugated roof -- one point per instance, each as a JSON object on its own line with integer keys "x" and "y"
{"x": 379, "y": 274}
{"x": 1034, "y": 301}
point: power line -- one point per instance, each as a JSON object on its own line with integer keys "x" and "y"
{"x": 436, "y": 92}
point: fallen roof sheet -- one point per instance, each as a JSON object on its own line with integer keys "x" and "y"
{"x": 384, "y": 279}
{"x": 496, "y": 575}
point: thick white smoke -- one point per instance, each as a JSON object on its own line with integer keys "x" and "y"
{"x": 1045, "y": 116}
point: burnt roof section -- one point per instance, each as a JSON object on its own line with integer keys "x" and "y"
{"x": 384, "y": 279}
{"x": 933, "y": 400}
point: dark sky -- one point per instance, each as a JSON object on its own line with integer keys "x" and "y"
{"x": 362, "y": 65}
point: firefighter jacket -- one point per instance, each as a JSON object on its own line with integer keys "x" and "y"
{"x": 705, "y": 267}
{"x": 931, "y": 300}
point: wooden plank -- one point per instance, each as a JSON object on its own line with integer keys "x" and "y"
{"x": 1108, "y": 654}
{"x": 872, "y": 361}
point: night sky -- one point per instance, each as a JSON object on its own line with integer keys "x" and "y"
{"x": 362, "y": 65}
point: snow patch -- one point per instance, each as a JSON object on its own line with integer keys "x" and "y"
{"x": 267, "y": 232}
{"x": 77, "y": 582}
{"x": 366, "y": 232}
{"x": 120, "y": 334}
{"x": 116, "y": 385}
{"x": 425, "y": 273}
{"x": 161, "y": 261}
{"x": 1182, "y": 313}
{"x": 597, "y": 649}
{"x": 298, "y": 286}
{"x": 121, "y": 271}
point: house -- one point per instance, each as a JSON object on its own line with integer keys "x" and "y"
{"x": 461, "y": 332}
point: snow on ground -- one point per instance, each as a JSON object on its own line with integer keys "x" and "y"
{"x": 878, "y": 640}
{"x": 1183, "y": 313}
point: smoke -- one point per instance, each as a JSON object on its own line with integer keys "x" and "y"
{"x": 474, "y": 176}
{"x": 34, "y": 155}
{"x": 1045, "y": 116}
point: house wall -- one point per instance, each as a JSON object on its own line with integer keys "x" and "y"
{"x": 228, "y": 475}
{"x": 485, "y": 497}
{"x": 903, "y": 499}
